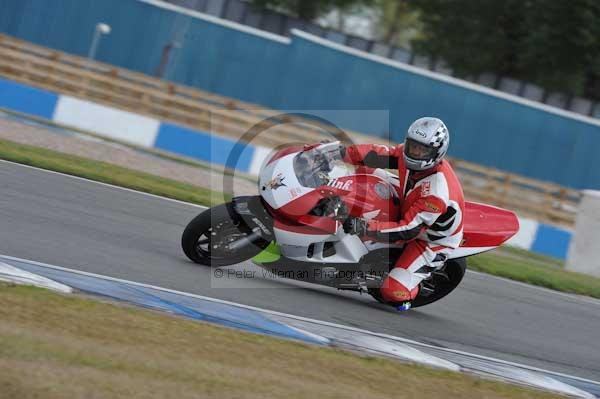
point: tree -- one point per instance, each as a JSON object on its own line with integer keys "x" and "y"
{"x": 472, "y": 36}
{"x": 396, "y": 22}
{"x": 307, "y": 9}
{"x": 551, "y": 42}
{"x": 563, "y": 43}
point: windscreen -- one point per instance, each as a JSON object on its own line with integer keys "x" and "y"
{"x": 318, "y": 166}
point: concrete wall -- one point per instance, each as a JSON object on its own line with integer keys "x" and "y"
{"x": 584, "y": 252}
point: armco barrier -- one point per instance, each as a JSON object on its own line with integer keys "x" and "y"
{"x": 151, "y": 133}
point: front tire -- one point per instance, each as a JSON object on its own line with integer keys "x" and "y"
{"x": 206, "y": 238}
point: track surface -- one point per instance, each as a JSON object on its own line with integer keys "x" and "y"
{"x": 73, "y": 223}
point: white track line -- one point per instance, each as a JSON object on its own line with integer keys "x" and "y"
{"x": 525, "y": 285}
{"x": 305, "y": 319}
{"x": 103, "y": 184}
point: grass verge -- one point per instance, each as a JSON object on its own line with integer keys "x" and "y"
{"x": 510, "y": 263}
{"x": 531, "y": 257}
{"x": 105, "y": 172}
{"x": 533, "y": 272}
{"x": 57, "y": 346}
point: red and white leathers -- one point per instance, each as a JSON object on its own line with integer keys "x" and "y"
{"x": 432, "y": 218}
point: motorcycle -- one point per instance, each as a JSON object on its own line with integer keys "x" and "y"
{"x": 294, "y": 228}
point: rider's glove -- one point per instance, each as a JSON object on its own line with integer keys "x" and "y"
{"x": 356, "y": 226}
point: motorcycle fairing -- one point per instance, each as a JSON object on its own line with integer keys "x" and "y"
{"x": 485, "y": 227}
{"x": 367, "y": 195}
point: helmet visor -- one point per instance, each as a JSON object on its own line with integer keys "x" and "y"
{"x": 419, "y": 151}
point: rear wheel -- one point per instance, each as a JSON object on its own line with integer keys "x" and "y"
{"x": 209, "y": 237}
{"x": 455, "y": 270}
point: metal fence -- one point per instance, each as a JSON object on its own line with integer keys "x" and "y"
{"x": 242, "y": 12}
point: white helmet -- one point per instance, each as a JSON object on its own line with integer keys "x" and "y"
{"x": 426, "y": 143}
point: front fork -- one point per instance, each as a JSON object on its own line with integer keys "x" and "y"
{"x": 252, "y": 214}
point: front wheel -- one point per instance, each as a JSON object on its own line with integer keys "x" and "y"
{"x": 213, "y": 238}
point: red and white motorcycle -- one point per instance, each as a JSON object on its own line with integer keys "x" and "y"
{"x": 294, "y": 228}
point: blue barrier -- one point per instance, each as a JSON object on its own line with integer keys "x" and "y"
{"x": 203, "y": 146}
{"x": 22, "y": 98}
{"x": 551, "y": 241}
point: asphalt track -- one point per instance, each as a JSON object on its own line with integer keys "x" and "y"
{"x": 74, "y": 223}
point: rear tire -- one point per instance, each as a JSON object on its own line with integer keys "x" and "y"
{"x": 456, "y": 269}
{"x": 204, "y": 240}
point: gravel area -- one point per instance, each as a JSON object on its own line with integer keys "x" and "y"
{"x": 69, "y": 142}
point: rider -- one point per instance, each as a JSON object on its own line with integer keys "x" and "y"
{"x": 432, "y": 209}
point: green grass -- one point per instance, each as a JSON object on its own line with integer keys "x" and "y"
{"x": 528, "y": 256}
{"x": 59, "y": 346}
{"x": 106, "y": 173}
{"x": 508, "y": 262}
{"x": 532, "y": 271}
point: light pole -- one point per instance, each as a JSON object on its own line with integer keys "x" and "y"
{"x": 165, "y": 59}
{"x": 101, "y": 29}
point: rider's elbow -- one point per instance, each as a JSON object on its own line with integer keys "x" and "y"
{"x": 373, "y": 160}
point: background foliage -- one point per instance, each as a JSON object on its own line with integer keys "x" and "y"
{"x": 553, "y": 43}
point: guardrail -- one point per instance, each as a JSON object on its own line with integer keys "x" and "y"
{"x": 102, "y": 83}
